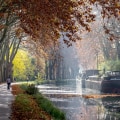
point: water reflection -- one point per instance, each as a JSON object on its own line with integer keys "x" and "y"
{"x": 112, "y": 104}
{"x": 68, "y": 96}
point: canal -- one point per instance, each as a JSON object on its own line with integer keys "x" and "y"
{"x": 81, "y": 104}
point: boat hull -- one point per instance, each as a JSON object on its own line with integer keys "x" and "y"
{"x": 91, "y": 84}
{"x": 110, "y": 86}
{"x": 104, "y": 86}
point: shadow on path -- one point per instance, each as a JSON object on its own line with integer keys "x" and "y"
{"x": 6, "y": 99}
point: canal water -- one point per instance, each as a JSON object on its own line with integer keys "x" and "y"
{"x": 81, "y": 104}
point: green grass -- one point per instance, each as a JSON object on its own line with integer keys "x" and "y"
{"x": 23, "y": 102}
{"x": 48, "y": 106}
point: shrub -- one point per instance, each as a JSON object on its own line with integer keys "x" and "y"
{"x": 30, "y": 89}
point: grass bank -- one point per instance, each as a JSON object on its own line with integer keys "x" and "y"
{"x": 29, "y": 104}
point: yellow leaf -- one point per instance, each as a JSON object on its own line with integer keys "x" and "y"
{"x": 118, "y": 4}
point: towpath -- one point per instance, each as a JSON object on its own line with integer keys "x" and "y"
{"x": 6, "y": 99}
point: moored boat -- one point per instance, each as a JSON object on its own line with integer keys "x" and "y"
{"x": 93, "y": 82}
{"x": 111, "y": 82}
{"x": 86, "y": 75}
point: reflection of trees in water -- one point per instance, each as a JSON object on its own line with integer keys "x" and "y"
{"x": 112, "y": 104}
{"x": 94, "y": 109}
{"x": 84, "y": 107}
{"x": 106, "y": 108}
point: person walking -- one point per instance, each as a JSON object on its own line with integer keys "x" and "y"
{"x": 8, "y": 82}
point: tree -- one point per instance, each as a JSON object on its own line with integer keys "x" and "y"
{"x": 101, "y": 43}
{"x": 8, "y": 50}
{"x": 45, "y": 21}
{"x": 23, "y": 66}
{"x": 9, "y": 39}
{"x": 56, "y": 16}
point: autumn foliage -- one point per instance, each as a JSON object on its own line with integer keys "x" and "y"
{"x": 46, "y": 20}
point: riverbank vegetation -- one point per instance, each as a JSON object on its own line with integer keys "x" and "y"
{"x": 111, "y": 65}
{"x": 30, "y": 104}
